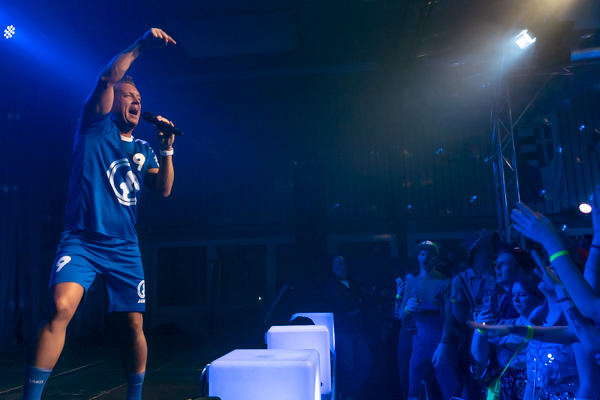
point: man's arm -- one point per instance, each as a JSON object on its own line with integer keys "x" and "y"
{"x": 582, "y": 327}
{"x": 100, "y": 101}
{"x": 537, "y": 226}
{"x": 448, "y": 329}
{"x": 459, "y": 306}
{"x": 160, "y": 180}
{"x": 546, "y": 334}
{"x": 480, "y": 348}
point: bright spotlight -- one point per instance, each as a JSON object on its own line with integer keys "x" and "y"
{"x": 585, "y": 208}
{"x": 524, "y": 39}
{"x": 9, "y": 32}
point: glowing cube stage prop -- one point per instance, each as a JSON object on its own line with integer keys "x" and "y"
{"x": 304, "y": 337}
{"x": 266, "y": 375}
{"x": 324, "y": 318}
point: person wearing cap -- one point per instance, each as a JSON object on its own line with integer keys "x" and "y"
{"x": 469, "y": 289}
{"x": 427, "y": 303}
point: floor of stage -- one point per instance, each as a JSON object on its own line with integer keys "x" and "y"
{"x": 88, "y": 370}
{"x": 91, "y": 369}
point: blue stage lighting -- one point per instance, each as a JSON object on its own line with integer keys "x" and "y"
{"x": 9, "y": 32}
{"x": 523, "y": 39}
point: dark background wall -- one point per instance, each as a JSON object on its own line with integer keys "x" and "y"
{"x": 358, "y": 147}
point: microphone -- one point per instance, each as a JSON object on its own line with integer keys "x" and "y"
{"x": 163, "y": 126}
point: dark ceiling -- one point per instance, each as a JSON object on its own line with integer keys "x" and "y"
{"x": 239, "y": 39}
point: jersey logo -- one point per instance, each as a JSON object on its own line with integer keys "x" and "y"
{"x": 64, "y": 260}
{"x": 142, "y": 290}
{"x": 123, "y": 181}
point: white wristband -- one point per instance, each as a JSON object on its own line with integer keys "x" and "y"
{"x": 166, "y": 152}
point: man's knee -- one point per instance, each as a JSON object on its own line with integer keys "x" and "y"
{"x": 65, "y": 298}
{"x": 133, "y": 326}
{"x": 64, "y": 309}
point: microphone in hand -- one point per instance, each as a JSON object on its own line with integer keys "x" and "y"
{"x": 163, "y": 126}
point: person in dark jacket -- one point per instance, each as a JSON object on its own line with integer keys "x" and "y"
{"x": 347, "y": 301}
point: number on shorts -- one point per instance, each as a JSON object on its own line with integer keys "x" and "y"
{"x": 64, "y": 260}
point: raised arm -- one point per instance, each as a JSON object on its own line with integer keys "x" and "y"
{"x": 592, "y": 266}
{"x": 538, "y": 227}
{"x": 100, "y": 101}
{"x": 582, "y": 327}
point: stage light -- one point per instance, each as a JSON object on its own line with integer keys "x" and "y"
{"x": 321, "y": 319}
{"x": 305, "y": 337}
{"x": 9, "y": 32}
{"x": 265, "y": 374}
{"x": 585, "y": 208}
{"x": 523, "y": 39}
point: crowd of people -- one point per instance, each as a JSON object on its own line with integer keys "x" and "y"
{"x": 536, "y": 333}
{"x": 513, "y": 324}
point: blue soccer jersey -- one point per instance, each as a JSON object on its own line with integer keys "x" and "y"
{"x": 106, "y": 180}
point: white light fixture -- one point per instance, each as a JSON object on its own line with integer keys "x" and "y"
{"x": 585, "y": 208}
{"x": 321, "y": 319}
{"x": 305, "y": 337}
{"x": 524, "y": 39}
{"x": 265, "y": 374}
{"x": 9, "y": 32}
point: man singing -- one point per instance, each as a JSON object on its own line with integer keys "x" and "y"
{"x": 109, "y": 169}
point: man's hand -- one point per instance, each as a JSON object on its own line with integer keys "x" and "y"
{"x": 535, "y": 226}
{"x": 400, "y": 285}
{"x": 413, "y": 305}
{"x": 440, "y": 356}
{"x": 165, "y": 141}
{"x": 485, "y": 317}
{"x": 156, "y": 38}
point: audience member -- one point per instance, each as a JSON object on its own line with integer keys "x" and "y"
{"x": 510, "y": 351}
{"x": 347, "y": 300}
{"x": 470, "y": 286}
{"x": 468, "y": 291}
{"x": 427, "y": 302}
{"x": 407, "y": 331}
{"x": 511, "y": 264}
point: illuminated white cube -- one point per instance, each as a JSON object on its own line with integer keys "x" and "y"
{"x": 305, "y": 337}
{"x": 324, "y": 318}
{"x": 266, "y": 375}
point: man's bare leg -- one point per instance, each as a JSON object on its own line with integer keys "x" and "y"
{"x": 134, "y": 352}
{"x": 65, "y": 298}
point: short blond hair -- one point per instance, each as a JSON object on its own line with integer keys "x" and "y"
{"x": 127, "y": 79}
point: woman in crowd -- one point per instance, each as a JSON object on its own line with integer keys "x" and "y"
{"x": 526, "y": 297}
{"x": 577, "y": 294}
{"x": 551, "y": 373}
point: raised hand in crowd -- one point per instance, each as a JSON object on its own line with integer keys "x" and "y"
{"x": 539, "y": 228}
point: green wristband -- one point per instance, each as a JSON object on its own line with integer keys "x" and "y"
{"x": 560, "y": 253}
{"x": 530, "y": 333}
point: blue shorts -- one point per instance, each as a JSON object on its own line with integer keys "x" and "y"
{"x": 82, "y": 255}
